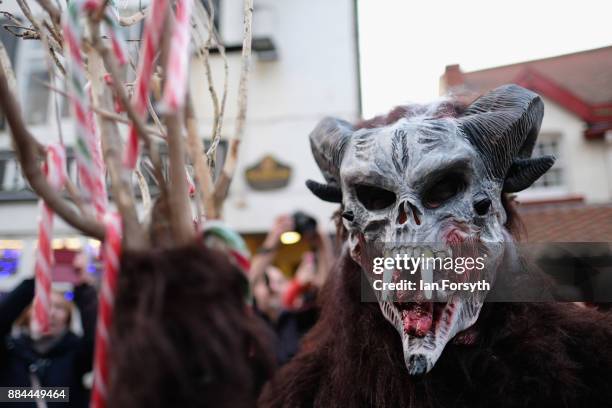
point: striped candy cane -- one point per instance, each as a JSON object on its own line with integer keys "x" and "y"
{"x": 111, "y": 18}
{"x": 87, "y": 149}
{"x": 111, "y": 254}
{"x": 178, "y": 61}
{"x": 55, "y": 169}
{"x": 151, "y": 38}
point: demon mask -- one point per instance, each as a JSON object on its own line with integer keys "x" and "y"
{"x": 424, "y": 185}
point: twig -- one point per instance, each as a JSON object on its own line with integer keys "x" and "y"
{"x": 144, "y": 190}
{"x": 54, "y": 32}
{"x": 5, "y": 63}
{"x": 203, "y": 176}
{"x": 76, "y": 198}
{"x": 105, "y": 113}
{"x": 28, "y": 152}
{"x": 134, "y": 18}
{"x": 205, "y": 54}
{"x": 27, "y": 34}
{"x": 52, "y": 10}
{"x": 11, "y": 17}
{"x": 121, "y": 186}
{"x": 202, "y": 18}
{"x": 116, "y": 83}
{"x": 178, "y": 194}
{"x": 49, "y": 44}
{"x": 229, "y": 167}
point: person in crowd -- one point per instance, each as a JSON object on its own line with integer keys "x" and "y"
{"x": 59, "y": 358}
{"x": 203, "y": 345}
{"x": 289, "y": 305}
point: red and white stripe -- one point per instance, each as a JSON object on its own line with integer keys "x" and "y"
{"x": 87, "y": 150}
{"x": 178, "y": 61}
{"x": 55, "y": 170}
{"x": 150, "y": 44}
{"x": 111, "y": 254}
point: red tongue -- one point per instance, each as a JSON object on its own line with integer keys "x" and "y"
{"x": 418, "y": 319}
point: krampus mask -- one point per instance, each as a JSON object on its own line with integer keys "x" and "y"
{"x": 424, "y": 185}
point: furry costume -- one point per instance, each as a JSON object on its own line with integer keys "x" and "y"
{"x": 423, "y": 179}
{"x": 525, "y": 355}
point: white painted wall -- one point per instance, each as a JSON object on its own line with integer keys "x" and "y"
{"x": 314, "y": 76}
{"x": 587, "y": 165}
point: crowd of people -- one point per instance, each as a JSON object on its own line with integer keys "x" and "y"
{"x": 60, "y": 358}
{"x": 284, "y": 303}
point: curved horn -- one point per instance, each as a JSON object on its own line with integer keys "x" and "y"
{"x": 523, "y": 172}
{"x": 503, "y": 126}
{"x": 325, "y": 192}
{"x": 328, "y": 141}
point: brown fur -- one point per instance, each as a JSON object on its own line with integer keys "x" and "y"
{"x": 525, "y": 354}
{"x": 182, "y": 334}
{"x": 444, "y": 109}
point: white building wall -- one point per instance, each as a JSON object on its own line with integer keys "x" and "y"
{"x": 314, "y": 76}
{"x": 586, "y": 164}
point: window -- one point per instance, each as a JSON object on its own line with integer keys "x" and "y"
{"x": 10, "y": 44}
{"x": 31, "y": 70}
{"x": 13, "y": 185}
{"x": 549, "y": 144}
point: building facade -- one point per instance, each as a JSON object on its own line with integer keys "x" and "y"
{"x": 577, "y": 126}
{"x": 304, "y": 67}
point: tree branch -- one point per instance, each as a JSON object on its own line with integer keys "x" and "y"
{"x": 121, "y": 185}
{"x": 134, "y": 18}
{"x": 28, "y": 152}
{"x": 53, "y": 11}
{"x": 229, "y": 167}
{"x": 178, "y": 194}
{"x": 203, "y": 176}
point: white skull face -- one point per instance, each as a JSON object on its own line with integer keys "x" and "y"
{"x": 418, "y": 187}
{"x": 430, "y": 185}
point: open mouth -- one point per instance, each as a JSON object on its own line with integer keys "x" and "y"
{"x": 419, "y": 318}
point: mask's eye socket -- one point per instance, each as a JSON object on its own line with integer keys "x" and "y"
{"x": 374, "y": 198}
{"x": 444, "y": 189}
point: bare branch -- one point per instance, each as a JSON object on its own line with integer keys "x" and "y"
{"x": 120, "y": 92}
{"x": 134, "y": 18}
{"x": 54, "y": 12}
{"x": 178, "y": 193}
{"x": 144, "y": 190}
{"x": 104, "y": 113}
{"x": 49, "y": 44}
{"x": 76, "y": 198}
{"x": 202, "y": 18}
{"x": 121, "y": 186}
{"x": 53, "y": 30}
{"x": 113, "y": 69}
{"x": 229, "y": 167}
{"x": 27, "y": 33}
{"x": 5, "y": 63}
{"x": 28, "y": 152}
{"x": 203, "y": 176}
{"x": 11, "y": 17}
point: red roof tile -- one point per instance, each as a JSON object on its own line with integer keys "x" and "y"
{"x": 567, "y": 223}
{"x": 586, "y": 74}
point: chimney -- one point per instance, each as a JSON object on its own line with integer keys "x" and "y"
{"x": 452, "y": 77}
